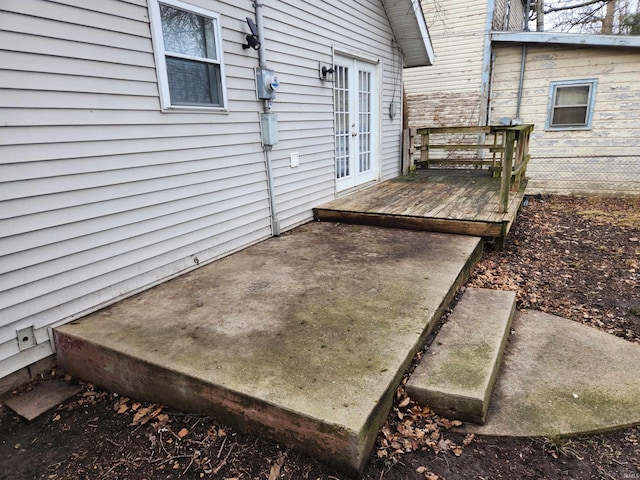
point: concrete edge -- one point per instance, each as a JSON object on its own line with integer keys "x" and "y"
{"x": 500, "y": 355}
{"x": 547, "y": 346}
{"x": 338, "y": 447}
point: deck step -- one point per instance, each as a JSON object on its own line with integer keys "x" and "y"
{"x": 457, "y": 375}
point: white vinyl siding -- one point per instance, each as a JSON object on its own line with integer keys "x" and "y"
{"x": 604, "y": 159}
{"x": 448, "y": 93}
{"x": 103, "y": 194}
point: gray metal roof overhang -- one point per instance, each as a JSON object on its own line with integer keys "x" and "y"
{"x": 575, "y": 39}
{"x": 410, "y": 29}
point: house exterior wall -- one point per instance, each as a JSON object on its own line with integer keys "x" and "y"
{"x": 509, "y": 15}
{"x": 102, "y": 194}
{"x": 604, "y": 159}
{"x": 449, "y": 92}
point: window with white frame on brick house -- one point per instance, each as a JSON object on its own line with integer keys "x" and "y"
{"x": 188, "y": 50}
{"x": 571, "y": 104}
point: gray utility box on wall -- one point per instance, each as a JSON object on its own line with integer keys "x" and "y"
{"x": 267, "y": 84}
{"x": 269, "y": 123}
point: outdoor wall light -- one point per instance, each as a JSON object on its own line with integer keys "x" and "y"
{"x": 253, "y": 40}
{"x": 326, "y": 73}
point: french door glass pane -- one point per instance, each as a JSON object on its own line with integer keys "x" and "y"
{"x": 364, "y": 121}
{"x": 341, "y": 109}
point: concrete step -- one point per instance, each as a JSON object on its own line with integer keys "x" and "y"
{"x": 457, "y": 375}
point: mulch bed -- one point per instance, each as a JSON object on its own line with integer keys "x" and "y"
{"x": 575, "y": 257}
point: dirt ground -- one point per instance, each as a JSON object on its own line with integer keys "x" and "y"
{"x": 574, "y": 257}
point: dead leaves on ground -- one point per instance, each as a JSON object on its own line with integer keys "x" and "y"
{"x": 274, "y": 473}
{"x": 142, "y": 415}
{"x": 176, "y": 446}
{"x": 575, "y": 257}
{"x": 413, "y": 428}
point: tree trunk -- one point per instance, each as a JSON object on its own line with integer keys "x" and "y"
{"x": 540, "y": 16}
{"x": 607, "y": 23}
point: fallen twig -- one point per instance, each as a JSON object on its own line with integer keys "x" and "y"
{"x": 224, "y": 461}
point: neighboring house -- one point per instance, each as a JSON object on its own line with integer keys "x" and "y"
{"x": 134, "y": 146}
{"x": 582, "y": 93}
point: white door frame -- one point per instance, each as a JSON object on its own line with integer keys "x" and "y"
{"x": 356, "y": 121}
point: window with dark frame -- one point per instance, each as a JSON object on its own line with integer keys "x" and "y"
{"x": 190, "y": 59}
{"x": 571, "y": 104}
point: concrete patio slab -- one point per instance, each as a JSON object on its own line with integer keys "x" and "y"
{"x": 561, "y": 378}
{"x": 302, "y": 338}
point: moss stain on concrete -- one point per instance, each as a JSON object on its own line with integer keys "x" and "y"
{"x": 464, "y": 369}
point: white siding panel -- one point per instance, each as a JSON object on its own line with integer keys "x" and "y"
{"x": 103, "y": 195}
{"x": 604, "y": 159}
{"x": 18, "y": 153}
{"x": 16, "y": 171}
{"x": 65, "y": 83}
{"x": 457, "y": 32}
{"x": 70, "y": 49}
{"x": 113, "y": 20}
{"x": 304, "y": 34}
{"x": 48, "y": 276}
{"x": 72, "y": 100}
{"x": 44, "y": 28}
{"x": 134, "y": 9}
{"x": 92, "y": 279}
{"x": 27, "y": 62}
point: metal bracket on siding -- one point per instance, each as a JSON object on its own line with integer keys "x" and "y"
{"x": 26, "y": 338}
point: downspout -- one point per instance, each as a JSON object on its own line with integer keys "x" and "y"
{"x": 266, "y": 108}
{"x": 491, "y": 79}
{"x": 523, "y": 62}
{"x": 486, "y": 66}
{"x": 262, "y": 56}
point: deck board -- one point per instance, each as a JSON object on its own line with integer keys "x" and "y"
{"x": 452, "y": 201}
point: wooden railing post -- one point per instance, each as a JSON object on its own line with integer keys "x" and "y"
{"x": 507, "y": 168}
{"x": 510, "y": 152}
{"x": 406, "y": 151}
{"x": 424, "y": 148}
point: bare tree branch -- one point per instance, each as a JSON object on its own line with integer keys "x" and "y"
{"x": 571, "y": 7}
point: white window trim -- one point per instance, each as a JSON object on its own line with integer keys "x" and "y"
{"x": 160, "y": 56}
{"x": 591, "y": 83}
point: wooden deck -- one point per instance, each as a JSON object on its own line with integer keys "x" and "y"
{"x": 452, "y": 201}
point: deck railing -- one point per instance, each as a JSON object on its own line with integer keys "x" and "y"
{"x": 503, "y": 150}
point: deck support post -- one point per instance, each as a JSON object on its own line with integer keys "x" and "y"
{"x": 507, "y": 169}
{"x": 424, "y": 149}
{"x": 408, "y": 135}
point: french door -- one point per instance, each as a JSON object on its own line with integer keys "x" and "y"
{"x": 356, "y": 122}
